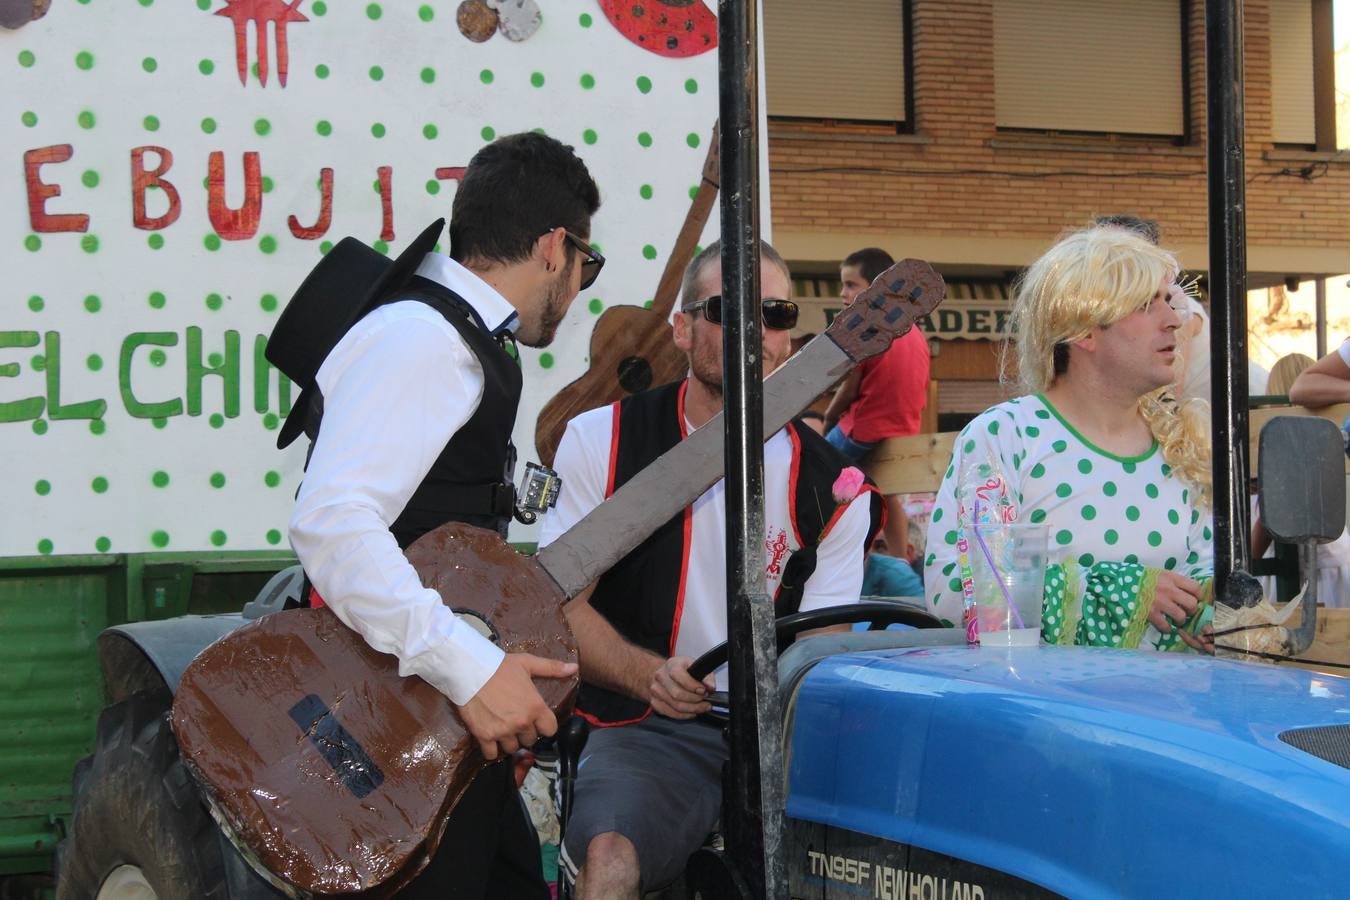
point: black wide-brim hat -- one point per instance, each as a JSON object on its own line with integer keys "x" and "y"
{"x": 348, "y": 282}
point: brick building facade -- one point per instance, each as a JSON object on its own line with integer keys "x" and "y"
{"x": 980, "y": 201}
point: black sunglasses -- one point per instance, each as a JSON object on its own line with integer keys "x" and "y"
{"x": 779, "y": 315}
{"x": 591, "y": 263}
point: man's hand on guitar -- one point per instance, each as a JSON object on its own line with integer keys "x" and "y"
{"x": 507, "y": 713}
{"x": 678, "y": 695}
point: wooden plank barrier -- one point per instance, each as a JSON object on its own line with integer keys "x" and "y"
{"x": 915, "y": 464}
{"x": 1331, "y": 643}
{"x": 1257, "y": 418}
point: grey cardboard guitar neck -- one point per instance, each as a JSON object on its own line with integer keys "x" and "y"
{"x": 886, "y": 310}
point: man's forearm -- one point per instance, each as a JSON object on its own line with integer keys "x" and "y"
{"x": 843, "y": 399}
{"x": 1313, "y": 389}
{"x": 608, "y": 659}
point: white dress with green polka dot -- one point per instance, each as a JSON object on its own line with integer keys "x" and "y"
{"x": 1098, "y": 507}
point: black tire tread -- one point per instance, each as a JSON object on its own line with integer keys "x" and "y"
{"x": 136, "y": 804}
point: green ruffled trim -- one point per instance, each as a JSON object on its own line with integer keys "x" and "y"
{"x": 1070, "y": 590}
{"x": 1148, "y": 592}
{"x": 1063, "y": 589}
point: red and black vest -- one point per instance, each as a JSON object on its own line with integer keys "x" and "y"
{"x": 642, "y": 595}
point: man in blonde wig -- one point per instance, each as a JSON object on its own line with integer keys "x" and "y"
{"x": 1097, "y": 451}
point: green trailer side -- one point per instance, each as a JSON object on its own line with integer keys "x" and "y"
{"x": 52, "y": 610}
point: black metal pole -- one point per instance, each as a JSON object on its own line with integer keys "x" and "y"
{"x": 753, "y": 791}
{"x": 1228, "y": 289}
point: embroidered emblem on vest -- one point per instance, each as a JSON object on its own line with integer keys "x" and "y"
{"x": 778, "y": 548}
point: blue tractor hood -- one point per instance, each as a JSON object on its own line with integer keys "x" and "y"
{"x": 1089, "y": 772}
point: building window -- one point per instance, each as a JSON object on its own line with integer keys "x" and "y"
{"x": 1293, "y": 108}
{"x": 1090, "y": 66}
{"x": 821, "y": 62}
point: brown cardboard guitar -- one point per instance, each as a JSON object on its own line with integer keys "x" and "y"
{"x": 335, "y": 774}
{"x": 631, "y": 347}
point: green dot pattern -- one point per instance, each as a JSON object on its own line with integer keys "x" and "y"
{"x": 1098, "y": 510}
{"x": 582, "y": 97}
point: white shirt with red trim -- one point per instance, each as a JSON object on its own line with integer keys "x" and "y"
{"x": 582, "y": 461}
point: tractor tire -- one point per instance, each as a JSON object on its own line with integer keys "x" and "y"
{"x": 140, "y": 829}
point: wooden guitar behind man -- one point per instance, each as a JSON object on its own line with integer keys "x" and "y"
{"x": 335, "y": 774}
{"x": 631, "y": 348}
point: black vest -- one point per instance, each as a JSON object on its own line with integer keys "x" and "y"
{"x": 471, "y": 480}
{"x": 640, "y": 594}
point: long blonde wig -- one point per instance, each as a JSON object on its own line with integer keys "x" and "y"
{"x": 1093, "y": 279}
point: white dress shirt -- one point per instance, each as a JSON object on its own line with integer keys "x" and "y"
{"x": 396, "y": 388}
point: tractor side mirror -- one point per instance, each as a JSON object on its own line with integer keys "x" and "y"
{"x": 1302, "y": 479}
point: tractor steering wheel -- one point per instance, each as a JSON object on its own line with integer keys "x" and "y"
{"x": 787, "y": 627}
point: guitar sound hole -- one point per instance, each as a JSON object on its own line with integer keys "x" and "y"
{"x": 635, "y": 374}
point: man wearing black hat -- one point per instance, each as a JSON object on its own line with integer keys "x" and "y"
{"x": 410, "y": 414}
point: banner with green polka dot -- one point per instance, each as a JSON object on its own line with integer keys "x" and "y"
{"x": 136, "y": 411}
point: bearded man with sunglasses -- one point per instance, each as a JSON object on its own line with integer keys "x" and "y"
{"x": 411, "y": 427}
{"x": 648, "y": 790}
